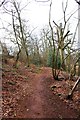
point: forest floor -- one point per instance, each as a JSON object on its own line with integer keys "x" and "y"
{"x": 28, "y": 93}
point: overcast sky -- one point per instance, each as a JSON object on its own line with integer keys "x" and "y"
{"x": 38, "y": 13}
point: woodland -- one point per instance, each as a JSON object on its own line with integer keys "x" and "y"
{"x": 40, "y": 76}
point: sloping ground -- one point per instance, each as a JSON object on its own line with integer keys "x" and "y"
{"x": 27, "y": 94}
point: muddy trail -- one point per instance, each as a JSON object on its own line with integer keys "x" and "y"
{"x": 27, "y": 94}
{"x": 39, "y": 102}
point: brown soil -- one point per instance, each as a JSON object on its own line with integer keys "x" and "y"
{"x": 27, "y": 94}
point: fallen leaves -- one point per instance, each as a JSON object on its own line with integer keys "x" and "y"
{"x": 62, "y": 89}
{"x": 15, "y": 84}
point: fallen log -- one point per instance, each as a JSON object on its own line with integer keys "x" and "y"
{"x": 70, "y": 95}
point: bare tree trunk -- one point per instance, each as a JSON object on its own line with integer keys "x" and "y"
{"x": 28, "y": 62}
{"x": 22, "y": 34}
{"x": 79, "y": 65}
{"x": 54, "y": 72}
{"x": 17, "y": 58}
{"x": 16, "y": 37}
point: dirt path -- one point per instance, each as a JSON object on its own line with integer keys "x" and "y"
{"x": 39, "y": 102}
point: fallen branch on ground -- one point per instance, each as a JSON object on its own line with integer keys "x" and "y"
{"x": 74, "y": 87}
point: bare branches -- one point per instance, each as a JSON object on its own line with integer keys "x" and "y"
{"x": 24, "y": 6}
{"x": 64, "y": 12}
{"x": 50, "y": 16}
{"x": 56, "y": 24}
{"x": 64, "y": 9}
{"x": 42, "y": 1}
{"x": 2, "y": 3}
{"x": 63, "y": 40}
{"x": 78, "y": 2}
{"x": 50, "y": 23}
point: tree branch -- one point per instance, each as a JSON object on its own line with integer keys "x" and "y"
{"x": 2, "y": 3}
{"x": 78, "y": 2}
